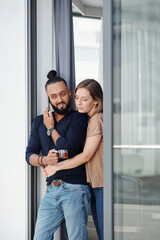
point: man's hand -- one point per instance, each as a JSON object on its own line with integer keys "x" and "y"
{"x": 51, "y": 158}
{"x": 48, "y": 119}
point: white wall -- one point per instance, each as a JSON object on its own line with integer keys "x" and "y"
{"x": 13, "y": 118}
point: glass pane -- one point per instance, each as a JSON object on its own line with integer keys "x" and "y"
{"x": 136, "y": 194}
{"x": 136, "y": 59}
{"x": 87, "y": 37}
{"x": 136, "y": 119}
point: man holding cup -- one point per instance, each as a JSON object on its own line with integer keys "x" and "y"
{"x": 67, "y": 193}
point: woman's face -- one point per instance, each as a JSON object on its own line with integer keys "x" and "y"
{"x": 84, "y": 101}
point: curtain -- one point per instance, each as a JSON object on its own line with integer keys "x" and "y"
{"x": 64, "y": 42}
{"x": 140, "y": 61}
{"x": 64, "y": 46}
{"x": 140, "y": 71}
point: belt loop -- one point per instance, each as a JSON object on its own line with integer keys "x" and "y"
{"x": 62, "y": 182}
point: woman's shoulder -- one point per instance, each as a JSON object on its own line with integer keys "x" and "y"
{"x": 95, "y": 124}
{"x": 98, "y": 117}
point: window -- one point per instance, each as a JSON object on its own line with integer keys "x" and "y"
{"x": 87, "y": 39}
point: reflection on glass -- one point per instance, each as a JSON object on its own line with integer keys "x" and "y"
{"x": 136, "y": 194}
{"x": 136, "y": 116}
{"x": 136, "y": 59}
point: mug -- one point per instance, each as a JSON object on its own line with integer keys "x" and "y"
{"x": 63, "y": 153}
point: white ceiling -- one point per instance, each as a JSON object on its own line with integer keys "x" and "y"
{"x": 93, "y": 3}
{"x": 88, "y": 7}
{"x": 94, "y": 8}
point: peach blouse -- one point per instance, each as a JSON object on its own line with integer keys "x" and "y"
{"x": 94, "y": 167}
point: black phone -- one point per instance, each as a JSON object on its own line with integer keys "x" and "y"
{"x": 49, "y": 106}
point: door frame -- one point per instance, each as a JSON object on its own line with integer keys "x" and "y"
{"x": 108, "y": 120}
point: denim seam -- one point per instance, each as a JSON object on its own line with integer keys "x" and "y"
{"x": 49, "y": 226}
{"x": 83, "y": 220}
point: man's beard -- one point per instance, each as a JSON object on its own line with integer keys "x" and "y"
{"x": 62, "y": 111}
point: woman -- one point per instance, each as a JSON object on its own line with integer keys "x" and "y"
{"x": 89, "y": 99}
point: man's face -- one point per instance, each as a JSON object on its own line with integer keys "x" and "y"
{"x": 59, "y": 97}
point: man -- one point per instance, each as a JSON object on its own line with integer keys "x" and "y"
{"x": 67, "y": 193}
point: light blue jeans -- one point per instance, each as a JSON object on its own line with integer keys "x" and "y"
{"x": 69, "y": 201}
{"x": 97, "y": 210}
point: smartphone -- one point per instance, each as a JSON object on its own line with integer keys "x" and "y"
{"x": 49, "y": 106}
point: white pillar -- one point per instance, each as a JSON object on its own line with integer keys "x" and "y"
{"x": 13, "y": 119}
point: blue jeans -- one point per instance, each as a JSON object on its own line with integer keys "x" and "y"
{"x": 97, "y": 210}
{"x": 69, "y": 201}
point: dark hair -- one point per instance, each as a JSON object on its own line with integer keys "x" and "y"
{"x": 95, "y": 90}
{"x": 53, "y": 78}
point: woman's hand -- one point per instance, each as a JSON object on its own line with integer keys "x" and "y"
{"x": 43, "y": 171}
{"x": 49, "y": 170}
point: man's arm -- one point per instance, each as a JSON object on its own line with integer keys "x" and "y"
{"x": 48, "y": 121}
{"x": 34, "y": 145}
{"x": 75, "y": 137}
{"x": 50, "y": 159}
{"x": 34, "y": 148}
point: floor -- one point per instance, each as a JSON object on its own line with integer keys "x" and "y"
{"x": 92, "y": 235}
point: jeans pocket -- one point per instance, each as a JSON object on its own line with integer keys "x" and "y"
{"x": 71, "y": 187}
{"x": 49, "y": 189}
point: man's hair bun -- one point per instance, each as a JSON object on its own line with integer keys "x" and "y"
{"x": 53, "y": 78}
{"x": 51, "y": 74}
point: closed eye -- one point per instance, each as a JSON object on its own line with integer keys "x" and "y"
{"x": 63, "y": 94}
